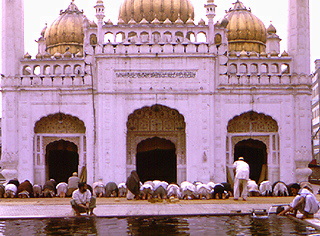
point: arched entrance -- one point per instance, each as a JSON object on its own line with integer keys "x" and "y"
{"x": 62, "y": 159}
{"x": 255, "y": 154}
{"x": 160, "y": 126}
{"x": 156, "y": 160}
{"x": 60, "y": 144}
{"x": 254, "y": 136}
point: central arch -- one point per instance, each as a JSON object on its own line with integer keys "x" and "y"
{"x": 161, "y": 126}
{"x": 156, "y": 160}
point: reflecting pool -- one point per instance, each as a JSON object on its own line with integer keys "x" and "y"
{"x": 211, "y": 225}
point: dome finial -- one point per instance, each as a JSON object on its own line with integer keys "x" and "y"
{"x": 238, "y": 5}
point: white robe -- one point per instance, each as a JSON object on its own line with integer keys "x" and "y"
{"x": 311, "y": 205}
{"x": 241, "y": 178}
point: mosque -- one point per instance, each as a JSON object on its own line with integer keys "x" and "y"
{"x": 158, "y": 93}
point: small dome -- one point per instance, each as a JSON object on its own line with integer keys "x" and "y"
{"x": 27, "y": 56}
{"x": 66, "y": 31}
{"x": 271, "y": 29}
{"x": 43, "y": 31}
{"x": 160, "y": 9}
{"x": 39, "y": 56}
{"x": 284, "y": 54}
{"x": 245, "y": 31}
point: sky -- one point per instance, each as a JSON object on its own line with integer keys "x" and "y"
{"x": 40, "y": 12}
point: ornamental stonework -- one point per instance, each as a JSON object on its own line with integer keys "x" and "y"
{"x": 60, "y": 123}
{"x": 156, "y": 118}
{"x": 252, "y": 122}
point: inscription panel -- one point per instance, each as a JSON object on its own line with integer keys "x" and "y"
{"x": 155, "y": 74}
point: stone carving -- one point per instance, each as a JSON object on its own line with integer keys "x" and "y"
{"x": 60, "y": 123}
{"x": 157, "y": 121}
{"x": 156, "y": 118}
{"x": 173, "y": 74}
{"x": 252, "y": 122}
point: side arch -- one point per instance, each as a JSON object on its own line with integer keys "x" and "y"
{"x": 252, "y": 130}
{"x": 51, "y": 130}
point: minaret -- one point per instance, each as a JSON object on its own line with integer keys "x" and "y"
{"x": 12, "y": 36}
{"x": 211, "y": 13}
{"x": 299, "y": 35}
{"x": 100, "y": 16}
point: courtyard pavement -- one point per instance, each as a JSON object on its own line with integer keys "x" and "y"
{"x": 37, "y": 208}
{"x": 120, "y": 207}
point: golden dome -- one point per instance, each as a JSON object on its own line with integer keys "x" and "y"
{"x": 152, "y": 9}
{"x": 245, "y": 31}
{"x": 66, "y": 32}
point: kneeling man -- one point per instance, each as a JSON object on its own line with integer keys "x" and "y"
{"x": 82, "y": 200}
{"x": 305, "y": 202}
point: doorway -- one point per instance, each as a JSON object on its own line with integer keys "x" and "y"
{"x": 62, "y": 159}
{"x": 157, "y": 160}
{"x": 255, "y": 154}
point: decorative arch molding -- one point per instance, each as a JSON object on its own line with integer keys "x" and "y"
{"x": 55, "y": 127}
{"x": 252, "y": 122}
{"x": 156, "y": 118}
{"x": 258, "y": 126}
{"x": 60, "y": 123}
{"x": 157, "y": 121}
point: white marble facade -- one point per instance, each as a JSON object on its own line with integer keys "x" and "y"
{"x": 198, "y": 96}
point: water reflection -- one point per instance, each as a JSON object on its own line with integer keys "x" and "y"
{"x": 211, "y": 225}
{"x": 158, "y": 226}
{"x": 71, "y": 226}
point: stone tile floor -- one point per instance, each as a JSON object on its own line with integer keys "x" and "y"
{"x": 116, "y": 207}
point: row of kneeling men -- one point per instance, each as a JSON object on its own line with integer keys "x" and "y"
{"x": 277, "y": 189}
{"x": 199, "y": 190}
{"x": 51, "y": 189}
{"x": 147, "y": 190}
{"x": 186, "y": 190}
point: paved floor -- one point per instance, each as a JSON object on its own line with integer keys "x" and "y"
{"x": 57, "y": 207}
{"x": 106, "y": 207}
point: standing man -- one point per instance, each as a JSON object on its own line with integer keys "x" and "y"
{"x": 241, "y": 169}
{"x": 82, "y": 200}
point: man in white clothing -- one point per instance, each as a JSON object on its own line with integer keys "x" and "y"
{"x": 82, "y": 200}
{"x": 305, "y": 202}
{"x": 242, "y": 170}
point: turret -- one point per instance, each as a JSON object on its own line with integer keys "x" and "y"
{"x": 273, "y": 40}
{"x": 211, "y": 13}
{"x": 100, "y": 16}
{"x": 12, "y": 36}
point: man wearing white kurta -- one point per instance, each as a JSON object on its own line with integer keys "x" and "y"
{"x": 305, "y": 202}
{"x": 82, "y": 200}
{"x": 242, "y": 170}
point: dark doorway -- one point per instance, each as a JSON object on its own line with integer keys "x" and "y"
{"x": 62, "y": 160}
{"x": 255, "y": 154}
{"x": 156, "y": 160}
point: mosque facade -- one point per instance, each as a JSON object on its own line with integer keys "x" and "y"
{"x": 158, "y": 93}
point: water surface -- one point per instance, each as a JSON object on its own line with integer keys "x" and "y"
{"x": 211, "y": 225}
